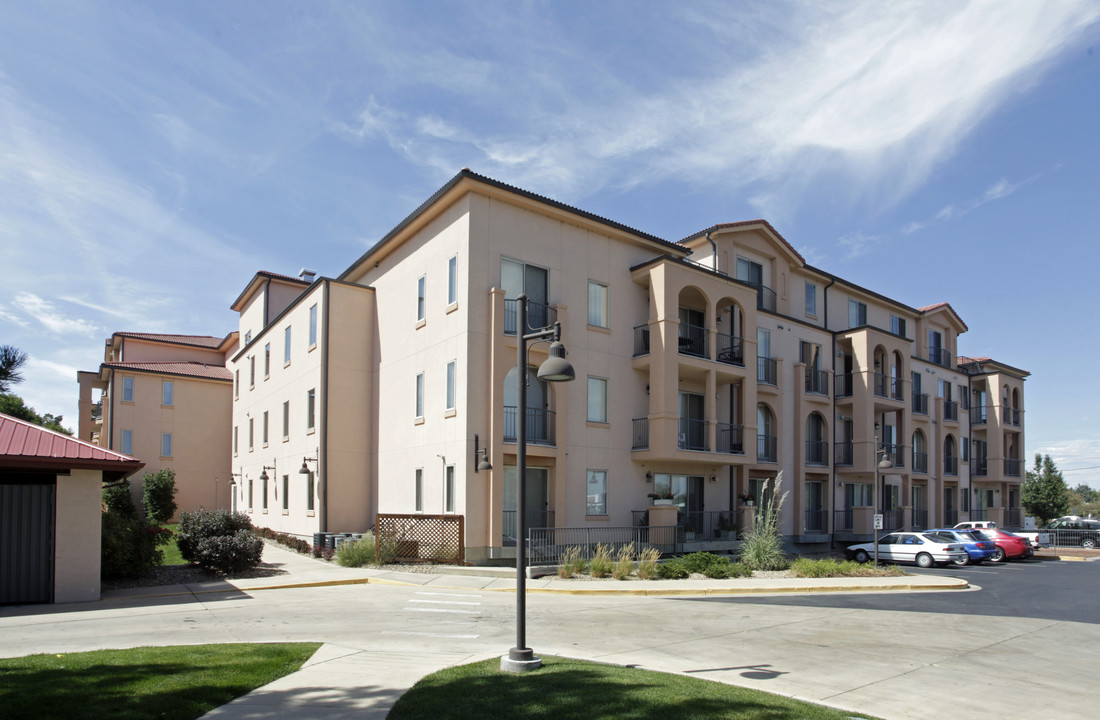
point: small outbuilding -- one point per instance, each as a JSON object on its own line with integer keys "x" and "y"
{"x": 51, "y": 490}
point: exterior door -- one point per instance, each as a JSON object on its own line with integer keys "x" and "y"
{"x": 814, "y": 515}
{"x": 27, "y": 541}
{"x": 693, "y": 428}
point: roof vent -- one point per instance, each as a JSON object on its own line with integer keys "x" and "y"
{"x": 307, "y": 274}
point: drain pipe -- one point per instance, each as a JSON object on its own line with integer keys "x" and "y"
{"x": 713, "y": 252}
{"x": 830, "y": 522}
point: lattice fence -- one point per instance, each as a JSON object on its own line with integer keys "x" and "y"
{"x": 420, "y": 538}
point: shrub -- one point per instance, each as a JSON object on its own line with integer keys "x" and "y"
{"x": 129, "y": 545}
{"x": 219, "y": 540}
{"x": 672, "y": 570}
{"x": 158, "y": 495}
{"x": 647, "y": 563}
{"x": 624, "y": 564}
{"x": 807, "y": 568}
{"x": 762, "y": 548}
{"x": 601, "y": 562}
{"x": 116, "y": 499}
{"x": 358, "y": 553}
{"x": 571, "y": 563}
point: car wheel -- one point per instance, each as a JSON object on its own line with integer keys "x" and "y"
{"x": 962, "y": 561}
{"x": 861, "y": 556}
{"x": 1089, "y": 543}
{"x": 925, "y": 560}
{"x": 998, "y": 555}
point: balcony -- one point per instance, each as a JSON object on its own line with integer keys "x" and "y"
{"x": 920, "y": 462}
{"x": 950, "y": 517}
{"x": 641, "y": 340}
{"x": 887, "y": 387}
{"x": 765, "y": 298}
{"x": 1012, "y": 467}
{"x": 844, "y": 452}
{"x": 979, "y": 467}
{"x": 950, "y": 465}
{"x": 539, "y": 316}
{"x": 532, "y": 519}
{"x": 731, "y": 350}
{"x": 1014, "y": 417}
{"x": 640, "y": 434}
{"x": 1014, "y": 517}
{"x": 817, "y": 453}
{"x": 767, "y": 371}
{"x": 978, "y": 415}
{"x": 893, "y": 520}
{"x": 693, "y": 434}
{"x": 920, "y": 403}
{"x": 730, "y": 439}
{"x": 845, "y": 520}
{"x": 843, "y": 385}
{"x": 817, "y": 382}
{"x": 766, "y": 448}
{"x": 939, "y": 356}
{"x": 920, "y": 519}
{"x": 894, "y": 452}
{"x": 540, "y": 425}
{"x": 693, "y": 340}
{"x": 950, "y": 410}
{"x": 815, "y": 522}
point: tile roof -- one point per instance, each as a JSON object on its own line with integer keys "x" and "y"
{"x": 277, "y": 276}
{"x": 204, "y": 341}
{"x": 933, "y": 306}
{"x": 187, "y": 369}
{"x": 963, "y": 360}
{"x": 27, "y": 446}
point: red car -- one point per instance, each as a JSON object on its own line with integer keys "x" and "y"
{"x": 1010, "y": 546}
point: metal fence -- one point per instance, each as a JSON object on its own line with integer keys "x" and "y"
{"x": 548, "y": 545}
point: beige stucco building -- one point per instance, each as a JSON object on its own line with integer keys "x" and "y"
{"x": 703, "y": 367}
{"x": 165, "y": 399}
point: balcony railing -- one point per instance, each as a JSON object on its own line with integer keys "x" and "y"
{"x": 950, "y": 410}
{"x": 978, "y": 415}
{"x": 816, "y": 522}
{"x": 731, "y": 349}
{"x": 817, "y": 453}
{"x": 844, "y": 453}
{"x": 1012, "y": 467}
{"x": 641, "y": 434}
{"x": 767, "y": 371}
{"x": 894, "y": 452}
{"x": 950, "y": 465}
{"x": 766, "y": 448}
{"x": 880, "y": 385}
{"x": 1015, "y": 415}
{"x": 532, "y": 519}
{"x": 1014, "y": 517}
{"x": 706, "y": 524}
{"x": 920, "y": 462}
{"x": 693, "y": 340}
{"x": 765, "y": 298}
{"x": 979, "y": 466}
{"x": 730, "y": 439}
{"x": 641, "y": 340}
{"x": 920, "y": 519}
{"x": 817, "y": 382}
{"x": 893, "y": 520}
{"x": 844, "y": 520}
{"x": 539, "y": 315}
{"x": 693, "y": 434}
{"x": 939, "y": 356}
{"x": 920, "y": 403}
{"x": 843, "y": 385}
{"x": 950, "y": 517}
{"x": 887, "y": 386}
{"x": 540, "y": 425}
{"x": 978, "y": 513}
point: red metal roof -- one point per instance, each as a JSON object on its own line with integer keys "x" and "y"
{"x": 204, "y": 341}
{"x": 27, "y": 446}
{"x": 187, "y": 369}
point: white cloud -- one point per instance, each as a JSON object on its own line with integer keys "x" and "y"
{"x": 44, "y": 312}
{"x": 997, "y": 191}
{"x": 858, "y": 243}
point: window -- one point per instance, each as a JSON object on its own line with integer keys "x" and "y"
{"x": 750, "y": 272}
{"x": 597, "y": 400}
{"x": 263, "y": 429}
{"x": 452, "y": 280}
{"x": 127, "y": 389}
{"x": 251, "y": 371}
{"x": 286, "y": 493}
{"x": 419, "y": 490}
{"x": 311, "y": 482}
{"x": 935, "y": 347}
{"x": 811, "y": 299}
{"x": 166, "y": 388}
{"x": 248, "y": 337}
{"x": 127, "y": 442}
{"x": 597, "y": 492}
{"x": 597, "y": 304}
{"x": 420, "y": 288}
{"x": 311, "y": 399}
{"x": 857, "y": 313}
{"x": 810, "y": 353}
{"x": 166, "y": 444}
{"x": 897, "y": 325}
{"x": 263, "y": 494}
{"x": 451, "y": 385}
{"x": 286, "y": 346}
{"x": 964, "y": 445}
{"x": 449, "y": 489}
{"x": 420, "y": 395}
{"x": 251, "y": 434}
{"x": 964, "y": 399}
{"x": 520, "y": 278}
{"x": 286, "y": 420}
{"x": 249, "y": 493}
{"x": 235, "y": 428}
{"x": 236, "y": 384}
{"x": 267, "y": 361}
{"x": 313, "y": 325}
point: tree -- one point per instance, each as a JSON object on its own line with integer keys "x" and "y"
{"x": 1045, "y": 494}
{"x": 158, "y": 495}
{"x": 12, "y": 360}
{"x": 13, "y": 405}
{"x": 1087, "y": 494}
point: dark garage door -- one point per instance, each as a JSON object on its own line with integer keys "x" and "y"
{"x": 26, "y": 541}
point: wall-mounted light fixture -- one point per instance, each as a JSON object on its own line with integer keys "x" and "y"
{"x": 481, "y": 457}
{"x": 304, "y": 470}
{"x": 648, "y": 476}
{"x": 263, "y": 472}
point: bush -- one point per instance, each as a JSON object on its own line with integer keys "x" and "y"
{"x": 716, "y": 567}
{"x": 159, "y": 495}
{"x": 285, "y": 539}
{"x": 601, "y": 562}
{"x": 358, "y": 553}
{"x": 219, "y": 540}
{"x": 571, "y": 563}
{"x": 116, "y": 499}
{"x": 807, "y": 568}
{"x": 129, "y": 546}
{"x": 762, "y": 548}
{"x": 624, "y": 565}
{"x": 647, "y": 563}
{"x": 672, "y": 570}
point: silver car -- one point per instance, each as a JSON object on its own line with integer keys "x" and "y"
{"x": 910, "y": 547}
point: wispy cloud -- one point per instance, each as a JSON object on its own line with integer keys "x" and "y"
{"x": 858, "y": 244}
{"x": 997, "y": 191}
{"x": 47, "y": 314}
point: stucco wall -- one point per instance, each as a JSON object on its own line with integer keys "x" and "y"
{"x": 77, "y": 543}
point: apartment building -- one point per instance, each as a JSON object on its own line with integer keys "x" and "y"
{"x": 166, "y": 400}
{"x": 703, "y": 367}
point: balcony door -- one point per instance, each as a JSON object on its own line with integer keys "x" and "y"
{"x": 516, "y": 278}
{"x": 537, "y": 502}
{"x": 538, "y": 416}
{"x": 815, "y": 495}
{"x": 693, "y": 427}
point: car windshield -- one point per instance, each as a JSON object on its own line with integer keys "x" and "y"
{"x": 971, "y": 535}
{"x": 940, "y": 538}
{"x": 1010, "y": 534}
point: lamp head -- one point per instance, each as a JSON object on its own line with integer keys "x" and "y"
{"x": 556, "y": 368}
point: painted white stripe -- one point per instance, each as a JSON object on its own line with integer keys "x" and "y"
{"x": 439, "y": 594}
{"x": 428, "y": 634}
{"x": 444, "y": 610}
{"x": 445, "y": 602}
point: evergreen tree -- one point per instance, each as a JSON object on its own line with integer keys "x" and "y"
{"x": 1045, "y": 493}
{"x": 12, "y": 360}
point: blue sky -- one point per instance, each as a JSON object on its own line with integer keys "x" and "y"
{"x": 153, "y": 156}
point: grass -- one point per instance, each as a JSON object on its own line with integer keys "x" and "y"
{"x": 564, "y": 689}
{"x": 829, "y": 568}
{"x": 172, "y": 683}
{"x": 171, "y": 551}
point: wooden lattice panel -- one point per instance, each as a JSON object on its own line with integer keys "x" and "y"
{"x": 420, "y": 538}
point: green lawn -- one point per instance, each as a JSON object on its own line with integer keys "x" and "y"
{"x": 171, "y": 551}
{"x": 564, "y": 689}
{"x": 173, "y": 683}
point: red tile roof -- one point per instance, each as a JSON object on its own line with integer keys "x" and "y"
{"x": 204, "y": 341}
{"x": 187, "y": 369}
{"x": 963, "y": 360}
{"x": 32, "y": 447}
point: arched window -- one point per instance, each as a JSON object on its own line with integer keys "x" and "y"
{"x": 765, "y": 435}
{"x": 817, "y": 449}
{"x": 950, "y": 461}
{"x": 920, "y": 455}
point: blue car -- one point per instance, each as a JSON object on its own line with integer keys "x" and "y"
{"x": 978, "y": 547}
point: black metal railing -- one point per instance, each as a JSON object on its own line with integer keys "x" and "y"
{"x": 539, "y": 315}
{"x": 731, "y": 349}
{"x": 844, "y": 452}
{"x": 693, "y": 340}
{"x": 767, "y": 371}
{"x": 979, "y": 466}
{"x": 843, "y": 385}
{"x": 894, "y": 451}
{"x": 950, "y": 410}
{"x": 730, "y": 439}
{"x": 893, "y": 520}
{"x": 920, "y": 403}
{"x": 532, "y": 518}
{"x": 766, "y": 448}
{"x": 640, "y": 434}
{"x": 1016, "y": 417}
{"x": 540, "y": 425}
{"x": 897, "y": 389}
{"x": 817, "y": 382}
{"x": 816, "y": 522}
{"x": 920, "y": 519}
{"x": 978, "y": 513}
{"x": 817, "y": 453}
{"x": 693, "y": 434}
{"x": 844, "y": 520}
{"x": 920, "y": 462}
{"x": 950, "y": 518}
{"x": 950, "y": 465}
{"x": 939, "y": 356}
{"x": 765, "y": 298}
{"x": 1014, "y": 517}
{"x": 707, "y": 524}
{"x": 641, "y": 340}
{"x": 1012, "y": 467}
{"x": 978, "y": 415}
{"x": 548, "y": 545}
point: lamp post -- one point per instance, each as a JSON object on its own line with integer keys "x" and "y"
{"x": 882, "y": 461}
{"x": 555, "y": 369}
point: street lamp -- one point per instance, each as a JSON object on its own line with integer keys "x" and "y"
{"x": 555, "y": 369}
{"x": 882, "y": 461}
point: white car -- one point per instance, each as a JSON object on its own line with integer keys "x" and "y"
{"x": 910, "y": 547}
